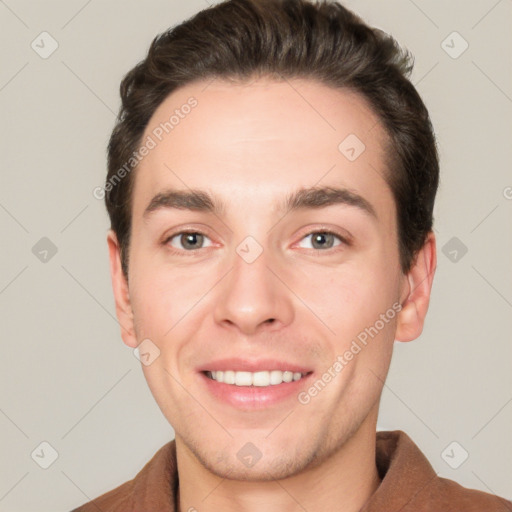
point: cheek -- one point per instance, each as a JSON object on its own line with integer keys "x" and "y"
{"x": 168, "y": 306}
{"x": 152, "y": 305}
{"x": 161, "y": 294}
{"x": 348, "y": 298}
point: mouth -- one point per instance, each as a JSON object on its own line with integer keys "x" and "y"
{"x": 252, "y": 385}
{"x": 261, "y": 379}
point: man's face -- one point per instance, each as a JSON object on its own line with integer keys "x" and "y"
{"x": 261, "y": 288}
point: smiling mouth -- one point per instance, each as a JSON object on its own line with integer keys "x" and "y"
{"x": 255, "y": 379}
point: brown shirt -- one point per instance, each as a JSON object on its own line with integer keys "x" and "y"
{"x": 409, "y": 484}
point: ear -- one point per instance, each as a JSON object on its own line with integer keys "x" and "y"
{"x": 121, "y": 292}
{"x": 415, "y": 293}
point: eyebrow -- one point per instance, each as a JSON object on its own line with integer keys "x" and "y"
{"x": 304, "y": 198}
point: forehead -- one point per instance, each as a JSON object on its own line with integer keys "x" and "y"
{"x": 251, "y": 143}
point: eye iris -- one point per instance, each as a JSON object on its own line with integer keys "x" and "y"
{"x": 190, "y": 238}
{"x": 319, "y": 237}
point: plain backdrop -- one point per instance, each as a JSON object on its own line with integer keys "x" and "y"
{"x": 66, "y": 377}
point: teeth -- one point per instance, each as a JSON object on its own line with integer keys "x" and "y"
{"x": 261, "y": 379}
{"x": 229, "y": 376}
{"x": 243, "y": 378}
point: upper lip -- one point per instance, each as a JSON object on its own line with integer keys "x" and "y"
{"x": 248, "y": 365}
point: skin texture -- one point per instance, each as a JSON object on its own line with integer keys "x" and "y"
{"x": 251, "y": 145}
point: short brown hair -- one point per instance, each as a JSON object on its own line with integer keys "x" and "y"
{"x": 282, "y": 39}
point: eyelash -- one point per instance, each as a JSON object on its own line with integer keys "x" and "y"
{"x": 194, "y": 252}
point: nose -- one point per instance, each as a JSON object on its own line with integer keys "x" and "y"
{"x": 253, "y": 298}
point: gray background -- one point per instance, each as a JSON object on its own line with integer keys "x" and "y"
{"x": 67, "y": 378}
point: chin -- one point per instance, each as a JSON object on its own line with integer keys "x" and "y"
{"x": 259, "y": 460}
{"x": 277, "y": 468}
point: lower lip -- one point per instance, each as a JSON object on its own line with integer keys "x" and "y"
{"x": 254, "y": 397}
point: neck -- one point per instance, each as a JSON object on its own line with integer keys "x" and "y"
{"x": 344, "y": 481}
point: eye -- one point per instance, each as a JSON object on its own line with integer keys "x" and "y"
{"x": 324, "y": 239}
{"x": 187, "y": 240}
{"x": 193, "y": 240}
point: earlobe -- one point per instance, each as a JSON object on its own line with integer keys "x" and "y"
{"x": 417, "y": 287}
{"x": 124, "y": 311}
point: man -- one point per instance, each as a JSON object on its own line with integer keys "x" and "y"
{"x": 271, "y": 184}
